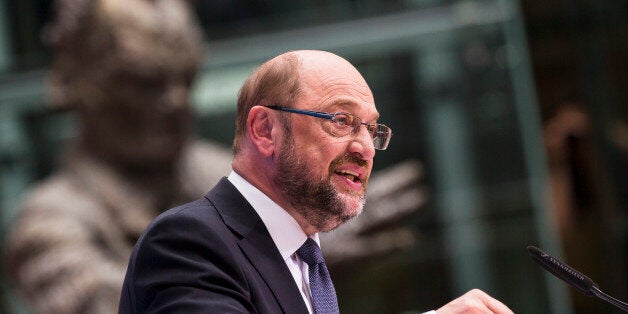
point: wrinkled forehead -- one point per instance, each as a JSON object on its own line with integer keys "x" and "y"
{"x": 326, "y": 64}
{"x": 330, "y": 80}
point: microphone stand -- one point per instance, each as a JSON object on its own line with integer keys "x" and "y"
{"x": 601, "y": 295}
{"x": 572, "y": 277}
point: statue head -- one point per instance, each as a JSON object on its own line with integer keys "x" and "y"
{"x": 126, "y": 67}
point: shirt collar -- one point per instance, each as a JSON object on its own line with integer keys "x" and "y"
{"x": 283, "y": 228}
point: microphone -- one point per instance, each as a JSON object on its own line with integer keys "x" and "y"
{"x": 572, "y": 277}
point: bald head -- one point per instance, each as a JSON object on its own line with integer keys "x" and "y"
{"x": 326, "y": 64}
{"x": 324, "y": 74}
{"x": 283, "y": 79}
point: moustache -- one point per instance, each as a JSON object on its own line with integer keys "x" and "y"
{"x": 346, "y": 158}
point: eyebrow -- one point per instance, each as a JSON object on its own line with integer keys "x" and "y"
{"x": 347, "y": 105}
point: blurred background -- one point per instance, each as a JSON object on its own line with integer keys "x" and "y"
{"x": 516, "y": 111}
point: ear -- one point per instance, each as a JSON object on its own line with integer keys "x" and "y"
{"x": 262, "y": 130}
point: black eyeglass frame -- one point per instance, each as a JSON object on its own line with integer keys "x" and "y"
{"x": 379, "y": 142}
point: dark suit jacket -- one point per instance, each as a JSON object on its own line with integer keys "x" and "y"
{"x": 213, "y": 255}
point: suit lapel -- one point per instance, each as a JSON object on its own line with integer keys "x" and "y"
{"x": 266, "y": 260}
{"x": 257, "y": 244}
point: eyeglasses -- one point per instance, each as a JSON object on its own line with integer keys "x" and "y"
{"x": 345, "y": 124}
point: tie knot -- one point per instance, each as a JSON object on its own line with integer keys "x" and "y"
{"x": 310, "y": 252}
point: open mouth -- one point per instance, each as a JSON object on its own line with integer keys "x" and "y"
{"x": 350, "y": 175}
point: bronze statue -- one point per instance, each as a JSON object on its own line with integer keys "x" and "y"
{"x": 125, "y": 67}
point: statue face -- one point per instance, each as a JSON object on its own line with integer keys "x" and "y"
{"x": 135, "y": 97}
{"x": 144, "y": 119}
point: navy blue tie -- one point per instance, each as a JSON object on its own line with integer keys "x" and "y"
{"x": 323, "y": 292}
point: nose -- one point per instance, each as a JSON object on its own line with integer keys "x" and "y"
{"x": 362, "y": 144}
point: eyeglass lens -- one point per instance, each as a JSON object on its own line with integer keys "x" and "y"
{"x": 346, "y": 123}
{"x": 349, "y": 124}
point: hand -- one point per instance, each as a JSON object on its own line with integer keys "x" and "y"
{"x": 474, "y": 301}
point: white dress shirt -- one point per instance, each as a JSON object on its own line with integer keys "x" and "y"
{"x": 284, "y": 230}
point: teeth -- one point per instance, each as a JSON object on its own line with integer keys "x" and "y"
{"x": 349, "y": 174}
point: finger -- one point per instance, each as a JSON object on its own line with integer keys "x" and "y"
{"x": 493, "y": 304}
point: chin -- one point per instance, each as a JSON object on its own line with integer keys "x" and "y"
{"x": 352, "y": 208}
{"x": 341, "y": 219}
{"x": 352, "y": 213}
{"x": 354, "y": 205}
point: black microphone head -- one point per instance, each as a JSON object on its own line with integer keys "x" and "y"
{"x": 562, "y": 271}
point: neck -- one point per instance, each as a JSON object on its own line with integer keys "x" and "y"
{"x": 259, "y": 174}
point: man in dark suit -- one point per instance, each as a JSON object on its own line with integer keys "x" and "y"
{"x": 306, "y": 135}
